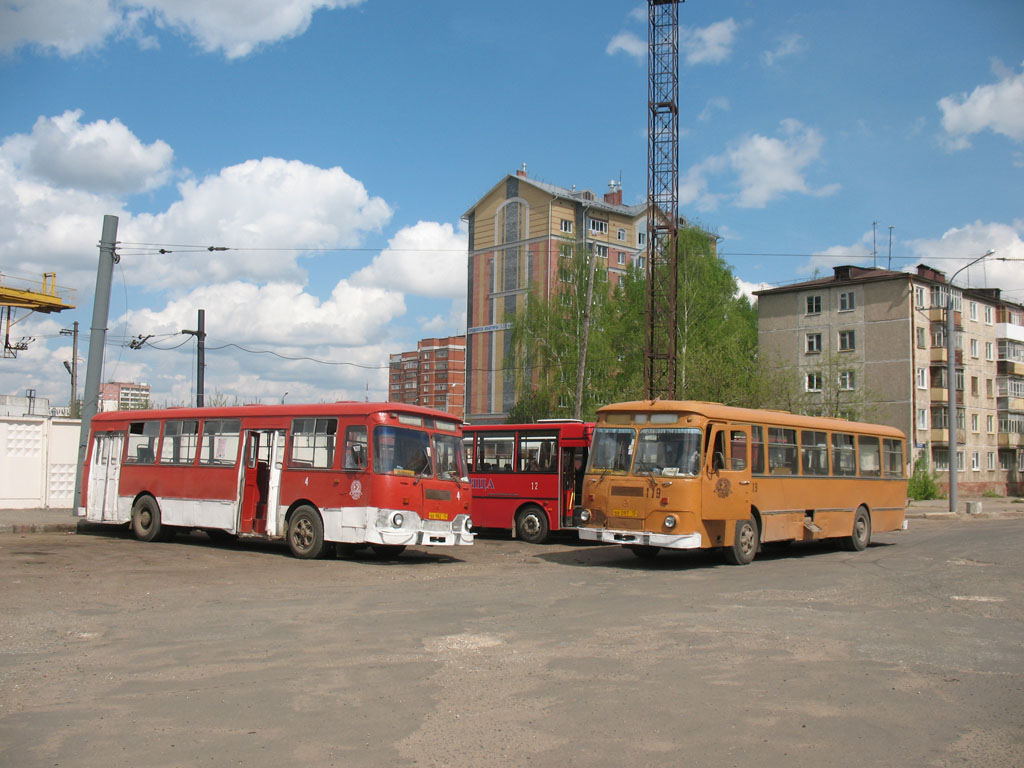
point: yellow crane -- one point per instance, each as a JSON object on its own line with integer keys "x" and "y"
{"x": 18, "y": 293}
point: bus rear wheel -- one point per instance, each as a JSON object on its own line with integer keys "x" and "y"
{"x": 532, "y": 525}
{"x": 861, "y": 536}
{"x": 306, "y": 533}
{"x": 146, "y": 523}
{"x": 744, "y": 543}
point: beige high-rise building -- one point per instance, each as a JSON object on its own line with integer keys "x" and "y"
{"x": 873, "y": 342}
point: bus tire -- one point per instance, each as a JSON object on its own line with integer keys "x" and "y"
{"x": 387, "y": 551}
{"x": 146, "y": 524}
{"x": 645, "y": 552}
{"x": 306, "y": 533}
{"x": 532, "y": 525}
{"x": 744, "y": 543}
{"x": 859, "y": 539}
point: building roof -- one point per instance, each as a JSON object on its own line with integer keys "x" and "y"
{"x": 583, "y": 196}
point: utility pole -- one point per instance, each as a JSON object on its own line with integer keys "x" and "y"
{"x": 890, "y": 245}
{"x": 73, "y": 368}
{"x": 200, "y": 334}
{"x": 97, "y": 339}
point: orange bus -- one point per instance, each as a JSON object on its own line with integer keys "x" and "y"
{"x": 526, "y": 477}
{"x": 349, "y": 474}
{"x": 692, "y": 475}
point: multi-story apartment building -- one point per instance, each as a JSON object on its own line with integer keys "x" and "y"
{"x": 518, "y": 231}
{"x": 123, "y": 396}
{"x": 873, "y": 342}
{"x": 433, "y": 375}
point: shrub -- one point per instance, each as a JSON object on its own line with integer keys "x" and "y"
{"x": 922, "y": 485}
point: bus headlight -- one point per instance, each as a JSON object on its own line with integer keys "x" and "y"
{"x": 468, "y": 525}
{"x": 584, "y": 515}
{"x": 397, "y": 520}
{"x": 670, "y": 522}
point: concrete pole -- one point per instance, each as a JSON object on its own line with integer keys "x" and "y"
{"x": 200, "y": 334}
{"x": 951, "y": 398}
{"x": 97, "y": 338}
{"x": 74, "y": 372}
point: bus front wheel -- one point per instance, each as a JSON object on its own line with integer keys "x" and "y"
{"x": 532, "y": 525}
{"x": 861, "y": 536}
{"x": 306, "y": 533}
{"x": 146, "y": 524}
{"x": 744, "y": 543}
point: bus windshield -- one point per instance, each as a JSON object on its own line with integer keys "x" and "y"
{"x": 613, "y": 449}
{"x": 401, "y": 451}
{"x": 669, "y": 452}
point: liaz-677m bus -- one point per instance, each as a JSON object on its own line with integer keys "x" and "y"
{"x": 349, "y": 474}
{"x": 688, "y": 475}
{"x": 526, "y": 477}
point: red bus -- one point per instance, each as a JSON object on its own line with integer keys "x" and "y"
{"x": 526, "y": 477}
{"x": 349, "y": 474}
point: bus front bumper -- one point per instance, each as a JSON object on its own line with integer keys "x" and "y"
{"x": 641, "y": 538}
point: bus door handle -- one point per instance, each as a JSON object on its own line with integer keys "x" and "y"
{"x": 744, "y": 482}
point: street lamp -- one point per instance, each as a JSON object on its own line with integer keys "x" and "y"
{"x": 951, "y": 384}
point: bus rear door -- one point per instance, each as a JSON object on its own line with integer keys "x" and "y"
{"x": 104, "y": 476}
{"x": 261, "y": 483}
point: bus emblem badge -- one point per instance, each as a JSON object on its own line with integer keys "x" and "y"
{"x": 356, "y": 489}
{"x": 723, "y": 487}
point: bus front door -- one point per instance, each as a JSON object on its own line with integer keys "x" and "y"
{"x": 261, "y": 482}
{"x": 104, "y": 474}
{"x": 725, "y": 493}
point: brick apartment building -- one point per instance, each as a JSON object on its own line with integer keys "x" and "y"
{"x": 432, "y": 375}
{"x": 882, "y": 334}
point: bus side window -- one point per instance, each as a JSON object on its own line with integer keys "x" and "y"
{"x": 355, "y": 447}
{"x": 737, "y": 450}
{"x": 718, "y": 452}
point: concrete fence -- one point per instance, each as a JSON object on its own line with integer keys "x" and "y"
{"x": 38, "y": 459}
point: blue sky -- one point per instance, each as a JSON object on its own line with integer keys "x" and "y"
{"x": 333, "y": 146}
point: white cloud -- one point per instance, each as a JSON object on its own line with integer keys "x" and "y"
{"x": 428, "y": 259}
{"x": 717, "y": 103}
{"x": 708, "y": 45}
{"x": 235, "y": 27}
{"x": 961, "y": 245}
{"x": 628, "y": 43}
{"x": 743, "y": 288}
{"x": 790, "y": 45}
{"x": 101, "y": 156}
{"x": 998, "y": 107}
{"x": 765, "y": 168}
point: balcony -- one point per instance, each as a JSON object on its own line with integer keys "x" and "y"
{"x": 938, "y": 315}
{"x": 1011, "y": 440}
{"x": 1010, "y": 368}
{"x": 938, "y": 395}
{"x": 942, "y": 436}
{"x": 939, "y": 355}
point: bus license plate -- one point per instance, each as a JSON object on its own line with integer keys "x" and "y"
{"x": 625, "y": 513}
{"x": 437, "y": 516}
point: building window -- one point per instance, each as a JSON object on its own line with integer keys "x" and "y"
{"x": 622, "y": 259}
{"x": 922, "y": 418}
{"x": 940, "y": 459}
{"x": 990, "y": 462}
{"x": 974, "y": 310}
{"x": 567, "y": 226}
{"x": 847, "y": 341}
{"x": 814, "y": 305}
{"x": 602, "y": 251}
{"x": 641, "y": 238}
{"x": 919, "y": 297}
{"x": 988, "y": 315}
{"x": 814, "y": 382}
{"x": 1005, "y": 460}
{"x": 938, "y": 335}
{"x": 921, "y": 338}
{"x": 621, "y": 235}
{"x": 974, "y": 347}
{"x": 846, "y": 301}
{"x": 641, "y": 262}
{"x": 922, "y": 378}
{"x": 974, "y": 422}
{"x": 599, "y": 227}
{"x": 565, "y": 250}
{"x": 959, "y": 461}
{"x": 990, "y": 424}
{"x": 989, "y": 350}
{"x": 813, "y": 343}
{"x": 974, "y": 386}
{"x": 975, "y": 461}
{"x": 846, "y": 380}
{"x": 988, "y": 388}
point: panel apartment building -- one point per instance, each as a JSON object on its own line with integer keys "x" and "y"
{"x": 517, "y": 233}
{"x": 432, "y": 375}
{"x": 882, "y": 336}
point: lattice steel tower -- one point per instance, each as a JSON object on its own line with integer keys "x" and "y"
{"x": 660, "y": 369}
